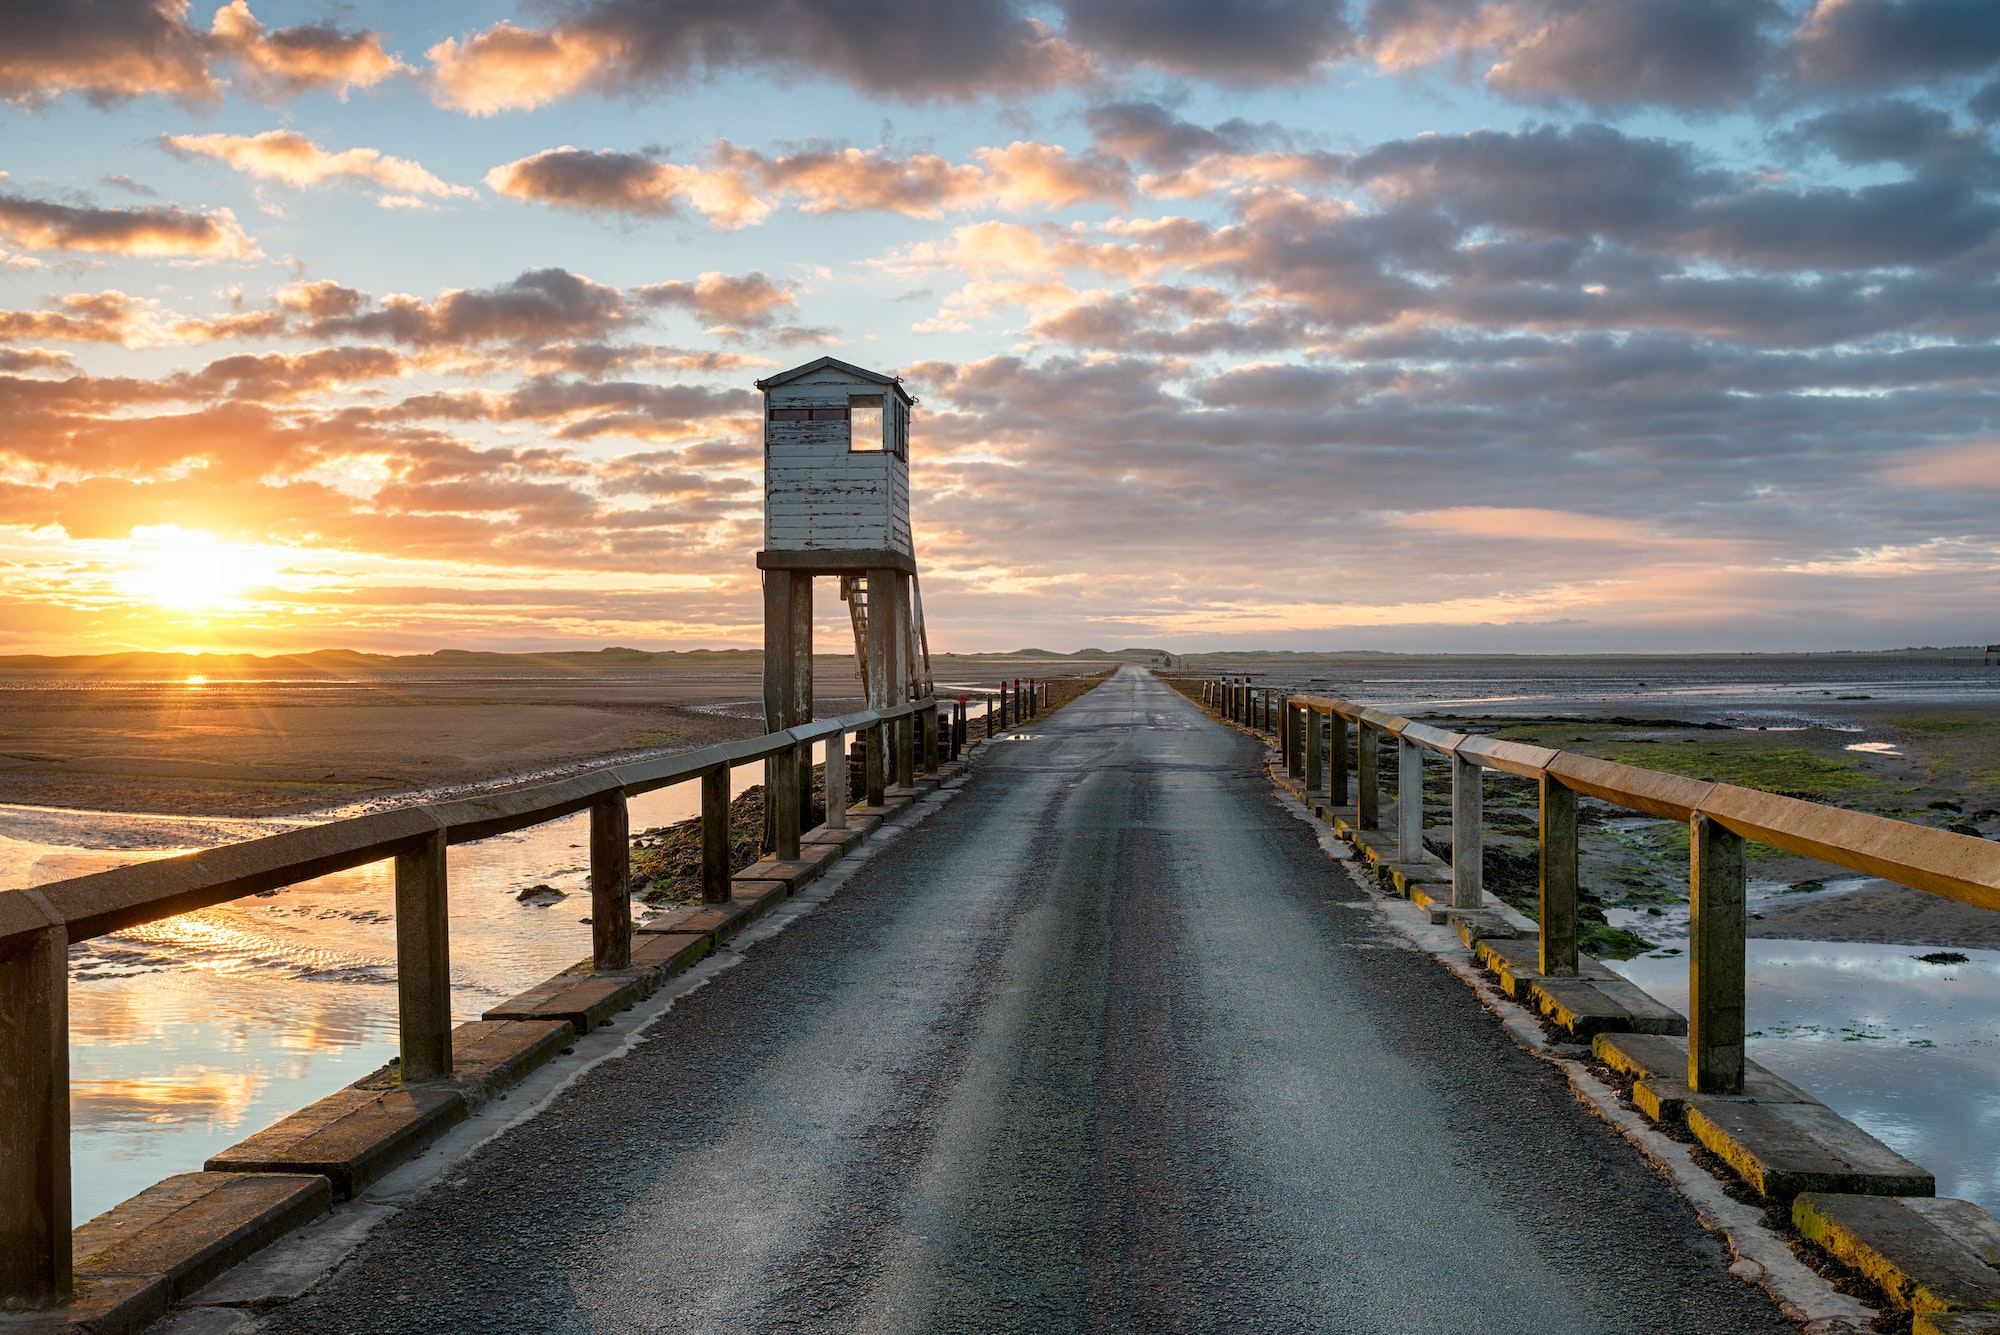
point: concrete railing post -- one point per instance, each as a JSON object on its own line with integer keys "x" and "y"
{"x": 1558, "y": 907}
{"x": 784, "y": 840}
{"x": 610, "y": 883}
{"x": 35, "y": 1261}
{"x": 836, "y": 781}
{"x": 1409, "y": 800}
{"x": 875, "y": 767}
{"x": 1315, "y": 775}
{"x": 1468, "y": 834}
{"x": 1716, "y": 903}
{"x": 715, "y": 855}
{"x": 1336, "y": 758}
{"x": 1368, "y": 784}
{"x": 423, "y": 961}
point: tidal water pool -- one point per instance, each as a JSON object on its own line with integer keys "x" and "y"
{"x": 1907, "y": 1050}
{"x": 188, "y": 1034}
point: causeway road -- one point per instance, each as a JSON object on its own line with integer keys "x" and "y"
{"x": 1105, "y": 1043}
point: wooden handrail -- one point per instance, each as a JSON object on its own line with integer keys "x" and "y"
{"x": 123, "y": 897}
{"x": 1956, "y": 866}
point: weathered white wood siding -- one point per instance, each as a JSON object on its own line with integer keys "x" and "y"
{"x": 821, "y": 495}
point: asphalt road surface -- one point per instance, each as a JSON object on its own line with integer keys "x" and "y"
{"x": 1105, "y": 1044}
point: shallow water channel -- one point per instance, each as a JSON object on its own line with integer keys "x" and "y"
{"x": 187, "y": 1035}
{"x": 1907, "y": 1050}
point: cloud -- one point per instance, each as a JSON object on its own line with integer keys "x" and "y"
{"x": 1238, "y": 41}
{"x": 37, "y": 224}
{"x": 110, "y": 50}
{"x": 1189, "y": 161}
{"x": 509, "y": 68}
{"x": 280, "y": 376}
{"x": 107, "y": 51}
{"x": 1692, "y": 54}
{"x": 1973, "y": 465}
{"x": 610, "y": 182}
{"x": 1488, "y": 521}
{"x": 1593, "y": 181}
{"x": 295, "y": 160}
{"x": 540, "y": 305}
{"x": 1875, "y": 42}
{"x": 299, "y": 59}
{"x": 1680, "y": 53}
{"x": 32, "y": 359}
{"x": 737, "y": 187}
{"x": 750, "y": 300}
{"x": 905, "y": 49}
{"x": 1884, "y": 130}
{"x": 113, "y": 317}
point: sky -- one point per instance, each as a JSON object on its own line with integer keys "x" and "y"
{"x": 1432, "y": 325}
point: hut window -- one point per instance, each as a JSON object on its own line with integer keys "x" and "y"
{"x": 865, "y": 411}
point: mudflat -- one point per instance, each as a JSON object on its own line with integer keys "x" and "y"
{"x": 229, "y": 736}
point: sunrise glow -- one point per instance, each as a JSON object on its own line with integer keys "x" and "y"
{"x": 1533, "y": 326}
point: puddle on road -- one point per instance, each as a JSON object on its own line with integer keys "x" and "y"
{"x": 1907, "y": 1050}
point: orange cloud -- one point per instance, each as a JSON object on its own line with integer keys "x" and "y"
{"x": 38, "y": 224}
{"x": 611, "y": 182}
{"x": 508, "y": 68}
{"x": 114, "y": 49}
{"x": 752, "y": 299}
{"x": 1974, "y": 465}
{"x": 290, "y": 157}
{"x": 738, "y": 187}
{"x": 1488, "y": 521}
{"x": 294, "y": 60}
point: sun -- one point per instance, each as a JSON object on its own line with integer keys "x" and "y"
{"x": 188, "y": 570}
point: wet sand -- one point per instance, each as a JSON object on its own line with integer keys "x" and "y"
{"x": 1884, "y": 913}
{"x": 320, "y": 733}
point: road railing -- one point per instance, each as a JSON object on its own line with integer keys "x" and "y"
{"x": 38, "y": 925}
{"x": 1318, "y": 735}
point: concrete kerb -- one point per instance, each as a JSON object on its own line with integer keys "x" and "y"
{"x": 1763, "y": 1257}
{"x": 292, "y": 1265}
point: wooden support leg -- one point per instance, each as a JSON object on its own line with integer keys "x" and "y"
{"x": 35, "y": 1261}
{"x": 1368, "y": 768}
{"x": 715, "y": 835}
{"x": 423, "y": 961}
{"x": 930, "y": 717}
{"x": 906, "y": 752}
{"x": 1409, "y": 800}
{"x": 1716, "y": 900}
{"x": 1468, "y": 834}
{"x": 610, "y": 884}
{"x": 1558, "y": 927}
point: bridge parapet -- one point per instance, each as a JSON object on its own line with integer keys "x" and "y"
{"x": 1314, "y": 734}
{"x": 38, "y": 925}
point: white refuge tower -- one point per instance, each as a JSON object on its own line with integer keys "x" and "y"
{"x": 837, "y": 502}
